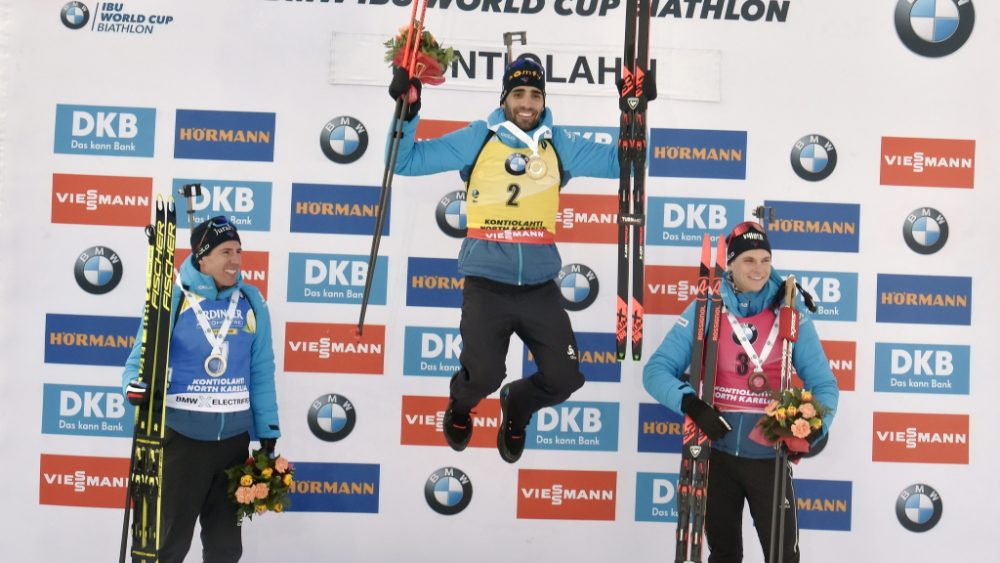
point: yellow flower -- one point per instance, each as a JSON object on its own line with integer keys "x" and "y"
{"x": 278, "y": 507}
{"x": 816, "y": 423}
{"x": 260, "y": 508}
{"x": 806, "y": 395}
{"x": 791, "y": 410}
{"x": 246, "y": 480}
{"x": 287, "y": 479}
{"x": 266, "y": 473}
{"x": 780, "y": 414}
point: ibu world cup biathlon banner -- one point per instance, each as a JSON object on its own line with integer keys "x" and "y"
{"x": 866, "y": 126}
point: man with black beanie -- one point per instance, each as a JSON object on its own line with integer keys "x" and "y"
{"x": 221, "y": 382}
{"x": 514, "y": 164}
{"x": 742, "y": 469}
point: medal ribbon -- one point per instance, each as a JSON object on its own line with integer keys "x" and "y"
{"x": 216, "y": 340}
{"x": 531, "y": 142}
{"x": 758, "y": 361}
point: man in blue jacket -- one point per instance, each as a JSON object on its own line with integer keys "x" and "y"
{"x": 514, "y": 164}
{"x": 221, "y": 383}
{"x": 741, "y": 468}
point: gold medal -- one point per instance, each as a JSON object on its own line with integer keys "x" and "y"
{"x": 536, "y": 168}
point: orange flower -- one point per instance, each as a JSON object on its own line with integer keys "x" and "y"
{"x": 244, "y": 495}
{"x": 807, "y": 410}
{"x": 281, "y": 464}
{"x": 800, "y": 428}
{"x": 260, "y": 490}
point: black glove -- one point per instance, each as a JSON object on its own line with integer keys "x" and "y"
{"x": 137, "y": 392}
{"x": 706, "y": 417}
{"x": 268, "y": 444}
{"x": 648, "y": 86}
{"x": 401, "y": 84}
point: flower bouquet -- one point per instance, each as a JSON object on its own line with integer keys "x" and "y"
{"x": 260, "y": 484}
{"x": 432, "y": 58}
{"x": 793, "y": 417}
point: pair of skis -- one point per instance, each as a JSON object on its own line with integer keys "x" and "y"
{"x": 144, "y": 494}
{"x": 632, "y": 185}
{"x": 692, "y": 482}
{"x": 410, "y": 51}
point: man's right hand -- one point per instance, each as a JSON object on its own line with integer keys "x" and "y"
{"x": 401, "y": 85}
{"x": 137, "y": 392}
{"x": 705, "y": 416}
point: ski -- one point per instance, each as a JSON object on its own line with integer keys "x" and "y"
{"x": 144, "y": 493}
{"x": 632, "y": 179}
{"x": 692, "y": 482}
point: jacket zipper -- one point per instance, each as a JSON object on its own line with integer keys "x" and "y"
{"x": 520, "y": 266}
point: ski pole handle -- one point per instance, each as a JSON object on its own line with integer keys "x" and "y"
{"x": 788, "y": 315}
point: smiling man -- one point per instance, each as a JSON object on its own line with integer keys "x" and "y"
{"x": 514, "y": 164}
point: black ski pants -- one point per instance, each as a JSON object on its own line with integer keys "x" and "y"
{"x": 731, "y": 480}
{"x": 491, "y": 312}
{"x": 194, "y": 487}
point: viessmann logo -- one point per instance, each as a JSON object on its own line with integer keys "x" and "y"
{"x": 587, "y": 218}
{"x": 101, "y": 200}
{"x": 566, "y": 495}
{"x": 422, "y": 417}
{"x": 670, "y": 289}
{"x": 936, "y": 163}
{"x": 82, "y": 481}
{"x": 920, "y": 438}
{"x": 334, "y": 348}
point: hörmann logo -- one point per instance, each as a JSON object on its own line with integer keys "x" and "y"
{"x": 349, "y": 210}
{"x": 105, "y": 130}
{"x": 923, "y": 299}
{"x": 246, "y": 204}
{"x": 89, "y": 340}
{"x": 934, "y": 28}
{"x": 660, "y": 429}
{"x": 566, "y": 495}
{"x": 101, "y": 200}
{"x": 431, "y": 351}
{"x": 433, "y": 282}
{"x": 334, "y": 348}
{"x": 334, "y": 487}
{"x": 920, "y": 438}
{"x": 935, "y": 163}
{"x": 697, "y": 153}
{"x": 596, "y": 354}
{"x": 683, "y": 221}
{"x": 922, "y": 368}
{"x": 422, "y": 417}
{"x": 224, "y": 135}
{"x": 832, "y": 227}
{"x": 823, "y": 505}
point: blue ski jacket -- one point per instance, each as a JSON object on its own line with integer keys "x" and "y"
{"x": 263, "y": 412}
{"x": 662, "y": 375}
{"x": 505, "y": 262}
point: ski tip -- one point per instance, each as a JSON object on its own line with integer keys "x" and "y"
{"x": 720, "y": 252}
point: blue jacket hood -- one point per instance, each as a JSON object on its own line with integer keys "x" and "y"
{"x": 194, "y": 280}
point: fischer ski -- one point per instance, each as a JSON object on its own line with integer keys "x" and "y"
{"x": 632, "y": 174}
{"x": 143, "y": 499}
{"x": 692, "y": 482}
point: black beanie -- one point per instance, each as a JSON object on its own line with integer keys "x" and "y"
{"x": 746, "y": 236}
{"x": 522, "y": 72}
{"x": 211, "y": 233}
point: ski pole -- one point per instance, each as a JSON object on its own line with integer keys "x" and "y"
{"x": 789, "y": 332}
{"x": 508, "y": 40}
{"x": 190, "y": 191}
{"x": 410, "y": 51}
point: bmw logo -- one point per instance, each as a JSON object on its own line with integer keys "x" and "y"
{"x": 332, "y": 417}
{"x": 516, "y": 163}
{"x": 934, "y": 28}
{"x": 578, "y": 286}
{"x": 448, "y": 491}
{"x": 98, "y": 270}
{"x": 343, "y": 139}
{"x": 450, "y": 214}
{"x": 918, "y": 507}
{"x": 813, "y": 157}
{"x": 925, "y": 230}
{"x": 75, "y": 15}
{"x": 749, "y": 330}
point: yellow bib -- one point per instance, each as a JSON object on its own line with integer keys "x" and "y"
{"x": 504, "y": 203}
